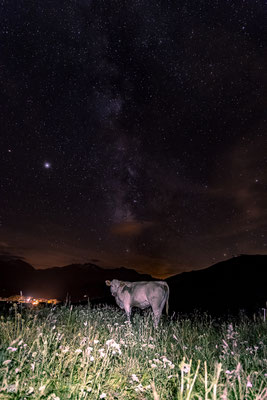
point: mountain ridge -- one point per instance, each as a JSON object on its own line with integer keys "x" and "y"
{"x": 237, "y": 283}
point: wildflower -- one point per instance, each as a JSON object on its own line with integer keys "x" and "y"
{"x": 153, "y": 365}
{"x": 65, "y": 350}
{"x": 12, "y": 349}
{"x": 185, "y": 368}
{"x": 53, "y": 397}
{"x": 83, "y": 341}
{"x": 32, "y": 366}
{"x": 135, "y": 378}
{"x": 92, "y": 358}
{"x": 96, "y": 341}
{"x": 102, "y": 353}
{"x": 17, "y": 370}
{"x": 88, "y": 350}
{"x": 139, "y": 388}
{"x": 85, "y": 323}
{"x": 103, "y": 395}
{"x": 42, "y": 388}
{"x": 78, "y": 351}
{"x": 6, "y": 362}
{"x": 31, "y": 390}
{"x": 114, "y": 345}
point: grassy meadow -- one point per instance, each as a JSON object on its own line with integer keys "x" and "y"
{"x": 69, "y": 352}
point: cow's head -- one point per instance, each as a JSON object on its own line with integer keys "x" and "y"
{"x": 114, "y": 286}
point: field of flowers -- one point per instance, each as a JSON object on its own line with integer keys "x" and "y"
{"x": 74, "y": 353}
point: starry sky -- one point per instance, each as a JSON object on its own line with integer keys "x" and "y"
{"x": 133, "y": 133}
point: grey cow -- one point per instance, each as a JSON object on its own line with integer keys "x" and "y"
{"x": 142, "y": 295}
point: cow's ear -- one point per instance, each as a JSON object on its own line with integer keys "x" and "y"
{"x": 108, "y": 283}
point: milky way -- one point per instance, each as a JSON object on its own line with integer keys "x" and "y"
{"x": 133, "y": 132}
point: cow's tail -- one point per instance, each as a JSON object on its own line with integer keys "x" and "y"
{"x": 167, "y": 301}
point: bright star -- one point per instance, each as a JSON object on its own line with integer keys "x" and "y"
{"x": 47, "y": 165}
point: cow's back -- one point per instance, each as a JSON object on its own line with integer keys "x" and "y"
{"x": 143, "y": 294}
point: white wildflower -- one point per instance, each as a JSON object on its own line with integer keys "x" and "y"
{"x": 92, "y": 358}
{"x": 103, "y": 395}
{"x": 78, "y": 351}
{"x": 31, "y": 390}
{"x": 88, "y": 350}
{"x": 249, "y": 384}
{"x": 42, "y": 388}
{"x": 53, "y": 397}
{"x": 11, "y": 389}
{"x": 65, "y": 350}
{"x": 96, "y": 341}
{"x": 185, "y": 368}
{"x": 135, "y": 378}
{"x": 139, "y": 388}
{"x": 102, "y": 353}
{"x": 32, "y": 366}
{"x": 153, "y": 365}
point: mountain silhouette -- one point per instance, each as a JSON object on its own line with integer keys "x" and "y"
{"x": 228, "y": 286}
{"x": 77, "y": 281}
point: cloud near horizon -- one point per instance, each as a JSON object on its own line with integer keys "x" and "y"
{"x": 130, "y": 228}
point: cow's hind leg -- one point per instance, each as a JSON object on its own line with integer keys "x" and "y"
{"x": 157, "y": 311}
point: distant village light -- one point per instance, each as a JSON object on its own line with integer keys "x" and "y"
{"x": 29, "y": 300}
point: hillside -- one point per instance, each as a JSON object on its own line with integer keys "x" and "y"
{"x": 230, "y": 285}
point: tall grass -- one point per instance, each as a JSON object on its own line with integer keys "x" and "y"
{"x": 93, "y": 353}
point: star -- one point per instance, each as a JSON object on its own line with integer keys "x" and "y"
{"x": 47, "y": 165}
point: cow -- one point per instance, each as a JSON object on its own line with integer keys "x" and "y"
{"x": 142, "y": 295}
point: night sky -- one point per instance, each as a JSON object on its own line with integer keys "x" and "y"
{"x": 133, "y": 133}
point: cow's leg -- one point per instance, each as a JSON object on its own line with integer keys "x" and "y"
{"x": 128, "y": 310}
{"x": 157, "y": 311}
{"x": 156, "y": 318}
